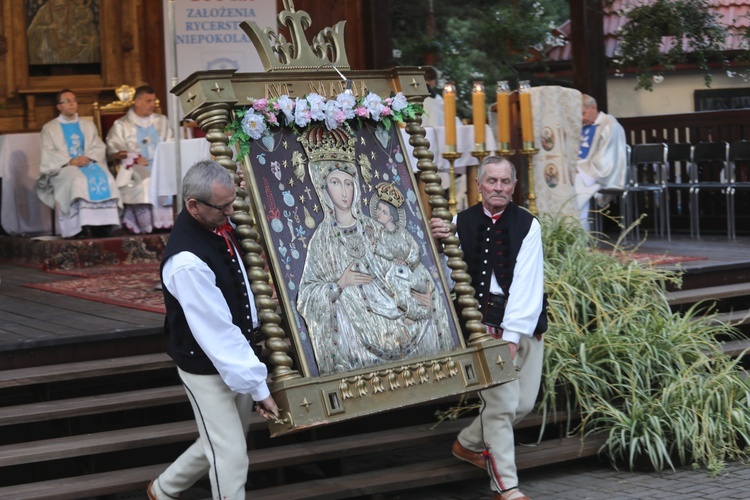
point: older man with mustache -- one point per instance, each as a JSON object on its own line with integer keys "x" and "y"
{"x": 502, "y": 245}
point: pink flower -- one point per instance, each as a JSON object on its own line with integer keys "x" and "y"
{"x": 386, "y": 111}
{"x": 361, "y": 111}
{"x": 272, "y": 119}
{"x": 260, "y": 104}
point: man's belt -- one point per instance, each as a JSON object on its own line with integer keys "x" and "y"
{"x": 497, "y": 300}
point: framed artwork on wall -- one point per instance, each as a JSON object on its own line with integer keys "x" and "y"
{"x": 63, "y": 37}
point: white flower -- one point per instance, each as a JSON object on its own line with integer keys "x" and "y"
{"x": 347, "y": 102}
{"x": 399, "y": 102}
{"x": 253, "y": 124}
{"x": 317, "y": 107}
{"x": 286, "y": 106}
{"x": 374, "y": 105}
{"x": 301, "y": 112}
{"x": 334, "y": 114}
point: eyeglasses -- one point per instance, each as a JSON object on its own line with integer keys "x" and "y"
{"x": 66, "y": 101}
{"x": 217, "y": 207}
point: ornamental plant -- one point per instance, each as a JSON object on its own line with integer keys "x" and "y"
{"x": 662, "y": 33}
{"x": 655, "y": 381}
{"x": 618, "y": 361}
{"x": 253, "y": 121}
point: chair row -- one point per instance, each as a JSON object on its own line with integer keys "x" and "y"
{"x": 659, "y": 170}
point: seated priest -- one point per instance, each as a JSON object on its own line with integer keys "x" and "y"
{"x": 132, "y": 142}
{"x": 602, "y": 158}
{"x": 74, "y": 177}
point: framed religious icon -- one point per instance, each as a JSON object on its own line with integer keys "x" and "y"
{"x": 356, "y": 312}
{"x": 355, "y": 268}
{"x": 63, "y": 32}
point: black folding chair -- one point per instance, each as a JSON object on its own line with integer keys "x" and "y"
{"x": 648, "y": 174}
{"x": 711, "y": 171}
{"x": 620, "y": 193}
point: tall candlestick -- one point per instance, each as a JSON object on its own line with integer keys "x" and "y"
{"x": 503, "y": 114}
{"x": 480, "y": 115}
{"x": 527, "y": 125}
{"x": 449, "y": 98}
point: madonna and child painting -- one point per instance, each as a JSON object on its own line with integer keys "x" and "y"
{"x": 354, "y": 266}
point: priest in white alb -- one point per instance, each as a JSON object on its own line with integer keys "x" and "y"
{"x": 603, "y": 157}
{"x": 132, "y": 142}
{"x": 74, "y": 176}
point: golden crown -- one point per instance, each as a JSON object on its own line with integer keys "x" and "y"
{"x": 390, "y": 193}
{"x": 277, "y": 54}
{"x": 321, "y": 144}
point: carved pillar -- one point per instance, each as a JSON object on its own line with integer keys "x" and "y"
{"x": 213, "y": 119}
{"x": 434, "y": 189}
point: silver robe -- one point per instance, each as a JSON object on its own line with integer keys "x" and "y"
{"x": 359, "y": 326}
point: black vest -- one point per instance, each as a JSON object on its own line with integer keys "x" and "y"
{"x": 189, "y": 235}
{"x": 492, "y": 247}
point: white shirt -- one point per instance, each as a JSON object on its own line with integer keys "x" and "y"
{"x": 524, "y": 303}
{"x": 193, "y": 284}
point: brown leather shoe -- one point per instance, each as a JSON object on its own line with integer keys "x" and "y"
{"x": 150, "y": 491}
{"x": 467, "y": 455}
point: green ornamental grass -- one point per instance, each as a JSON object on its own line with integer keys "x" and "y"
{"x": 656, "y": 382}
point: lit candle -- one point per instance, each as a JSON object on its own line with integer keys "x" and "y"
{"x": 480, "y": 115}
{"x": 527, "y": 125}
{"x": 503, "y": 113}
{"x": 449, "y": 98}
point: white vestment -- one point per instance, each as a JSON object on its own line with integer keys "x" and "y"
{"x": 135, "y": 180}
{"x": 65, "y": 187}
{"x": 605, "y": 165}
{"x": 434, "y": 112}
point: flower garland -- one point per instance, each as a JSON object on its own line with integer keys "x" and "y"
{"x": 251, "y": 122}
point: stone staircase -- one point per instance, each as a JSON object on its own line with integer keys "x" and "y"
{"x": 108, "y": 426}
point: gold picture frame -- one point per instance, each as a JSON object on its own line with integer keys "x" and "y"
{"x": 309, "y": 247}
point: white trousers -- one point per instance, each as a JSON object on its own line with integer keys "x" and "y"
{"x": 502, "y": 407}
{"x": 223, "y": 418}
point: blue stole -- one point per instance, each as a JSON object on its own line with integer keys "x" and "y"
{"x": 587, "y": 138}
{"x": 96, "y": 179}
{"x": 148, "y": 138}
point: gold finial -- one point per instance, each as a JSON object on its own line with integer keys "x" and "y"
{"x": 279, "y": 55}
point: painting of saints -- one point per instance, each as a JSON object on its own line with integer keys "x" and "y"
{"x": 64, "y": 32}
{"x": 355, "y": 316}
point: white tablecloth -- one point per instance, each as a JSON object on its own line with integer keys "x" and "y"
{"x": 163, "y": 171}
{"x": 464, "y": 145}
{"x": 22, "y": 212}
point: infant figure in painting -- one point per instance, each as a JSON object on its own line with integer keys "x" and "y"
{"x": 405, "y": 276}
